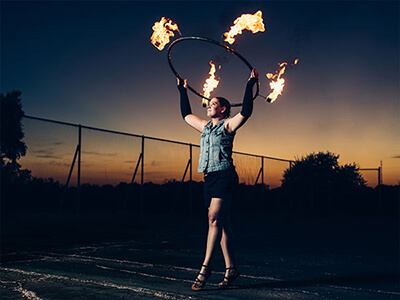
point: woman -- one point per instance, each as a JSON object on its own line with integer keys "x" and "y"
{"x": 220, "y": 177}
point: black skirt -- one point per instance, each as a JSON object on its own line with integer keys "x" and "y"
{"x": 220, "y": 184}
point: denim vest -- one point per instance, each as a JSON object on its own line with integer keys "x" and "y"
{"x": 215, "y": 148}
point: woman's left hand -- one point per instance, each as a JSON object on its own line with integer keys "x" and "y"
{"x": 254, "y": 74}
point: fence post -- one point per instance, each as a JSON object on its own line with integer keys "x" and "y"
{"x": 78, "y": 197}
{"x": 141, "y": 180}
{"x": 380, "y": 204}
{"x": 380, "y": 174}
{"x": 261, "y": 172}
{"x": 190, "y": 180}
{"x": 68, "y": 179}
{"x": 262, "y": 168}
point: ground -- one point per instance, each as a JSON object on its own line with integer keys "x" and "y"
{"x": 132, "y": 257}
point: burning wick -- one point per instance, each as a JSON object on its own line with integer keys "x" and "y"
{"x": 254, "y": 23}
{"x": 162, "y": 31}
{"x": 210, "y": 85}
{"x": 277, "y": 83}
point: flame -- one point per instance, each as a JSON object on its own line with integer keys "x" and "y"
{"x": 254, "y": 23}
{"x": 162, "y": 31}
{"x": 277, "y": 83}
{"x": 210, "y": 84}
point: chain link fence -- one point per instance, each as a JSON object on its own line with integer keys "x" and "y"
{"x": 141, "y": 169}
{"x": 76, "y": 155}
{"x": 110, "y": 157}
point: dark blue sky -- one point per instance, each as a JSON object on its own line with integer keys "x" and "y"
{"x": 92, "y": 63}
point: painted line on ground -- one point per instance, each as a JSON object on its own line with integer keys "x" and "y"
{"x": 141, "y": 290}
{"x": 150, "y": 265}
{"x": 17, "y": 287}
{"x": 362, "y": 289}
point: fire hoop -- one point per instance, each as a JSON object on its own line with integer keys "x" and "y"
{"x": 195, "y": 38}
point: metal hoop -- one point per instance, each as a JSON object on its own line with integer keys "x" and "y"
{"x": 231, "y": 50}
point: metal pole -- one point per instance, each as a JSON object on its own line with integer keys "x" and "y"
{"x": 191, "y": 164}
{"x": 68, "y": 179}
{"x": 137, "y": 166}
{"x": 258, "y": 176}
{"x": 380, "y": 204}
{"x": 141, "y": 180}
{"x": 78, "y": 198}
{"x": 379, "y": 176}
{"x": 190, "y": 178}
{"x": 186, "y": 169}
{"x": 262, "y": 168}
{"x": 72, "y": 166}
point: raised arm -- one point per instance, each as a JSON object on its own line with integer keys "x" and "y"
{"x": 186, "y": 111}
{"x": 233, "y": 124}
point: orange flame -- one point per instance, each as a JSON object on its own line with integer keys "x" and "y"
{"x": 162, "y": 31}
{"x": 277, "y": 83}
{"x": 254, "y": 23}
{"x": 210, "y": 85}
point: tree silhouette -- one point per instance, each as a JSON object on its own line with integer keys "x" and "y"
{"x": 322, "y": 169}
{"x": 316, "y": 180}
{"x": 12, "y": 145}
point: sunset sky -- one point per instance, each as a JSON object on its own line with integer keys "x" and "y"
{"x": 92, "y": 63}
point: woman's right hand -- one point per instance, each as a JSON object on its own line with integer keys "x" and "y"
{"x": 182, "y": 82}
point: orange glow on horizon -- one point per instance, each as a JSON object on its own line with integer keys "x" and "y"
{"x": 110, "y": 158}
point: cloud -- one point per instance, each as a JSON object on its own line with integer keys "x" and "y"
{"x": 396, "y": 156}
{"x": 48, "y": 156}
{"x": 57, "y": 163}
{"x": 155, "y": 163}
{"x": 57, "y": 143}
{"x": 99, "y": 154}
{"x": 41, "y": 151}
{"x": 45, "y": 153}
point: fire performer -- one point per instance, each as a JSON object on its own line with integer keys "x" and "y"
{"x": 220, "y": 177}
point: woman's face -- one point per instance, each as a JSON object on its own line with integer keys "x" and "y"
{"x": 214, "y": 108}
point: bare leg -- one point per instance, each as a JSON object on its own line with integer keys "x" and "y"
{"x": 215, "y": 225}
{"x": 216, "y": 217}
{"x": 227, "y": 248}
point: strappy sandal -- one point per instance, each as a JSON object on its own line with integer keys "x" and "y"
{"x": 229, "y": 279}
{"x": 198, "y": 283}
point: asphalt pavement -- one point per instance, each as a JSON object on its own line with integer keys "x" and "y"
{"x": 156, "y": 257}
